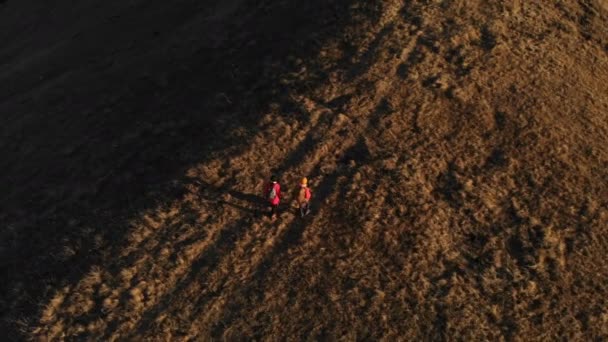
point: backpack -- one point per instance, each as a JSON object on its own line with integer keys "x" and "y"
{"x": 304, "y": 196}
{"x": 272, "y": 194}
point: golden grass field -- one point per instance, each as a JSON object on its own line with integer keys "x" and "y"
{"x": 457, "y": 152}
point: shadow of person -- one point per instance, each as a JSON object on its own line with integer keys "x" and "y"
{"x": 253, "y": 204}
{"x": 250, "y": 198}
{"x": 253, "y": 211}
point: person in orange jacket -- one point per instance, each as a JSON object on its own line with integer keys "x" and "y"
{"x": 273, "y": 194}
{"x": 304, "y": 196}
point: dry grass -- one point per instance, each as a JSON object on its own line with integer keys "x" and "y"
{"x": 457, "y": 156}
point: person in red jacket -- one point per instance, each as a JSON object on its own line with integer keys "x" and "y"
{"x": 273, "y": 195}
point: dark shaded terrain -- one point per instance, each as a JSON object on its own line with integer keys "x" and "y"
{"x": 104, "y": 105}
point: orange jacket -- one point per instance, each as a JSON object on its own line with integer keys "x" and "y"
{"x": 304, "y": 194}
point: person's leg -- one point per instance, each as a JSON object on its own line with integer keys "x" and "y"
{"x": 304, "y": 209}
{"x": 275, "y": 210}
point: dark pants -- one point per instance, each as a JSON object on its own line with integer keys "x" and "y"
{"x": 304, "y": 209}
{"x": 274, "y": 209}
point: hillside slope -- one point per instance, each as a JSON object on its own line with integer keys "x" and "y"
{"x": 457, "y": 153}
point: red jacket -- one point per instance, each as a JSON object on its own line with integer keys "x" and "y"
{"x": 277, "y": 189}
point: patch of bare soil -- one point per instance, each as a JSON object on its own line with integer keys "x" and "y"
{"x": 457, "y": 153}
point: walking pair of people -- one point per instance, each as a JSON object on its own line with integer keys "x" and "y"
{"x": 273, "y": 194}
